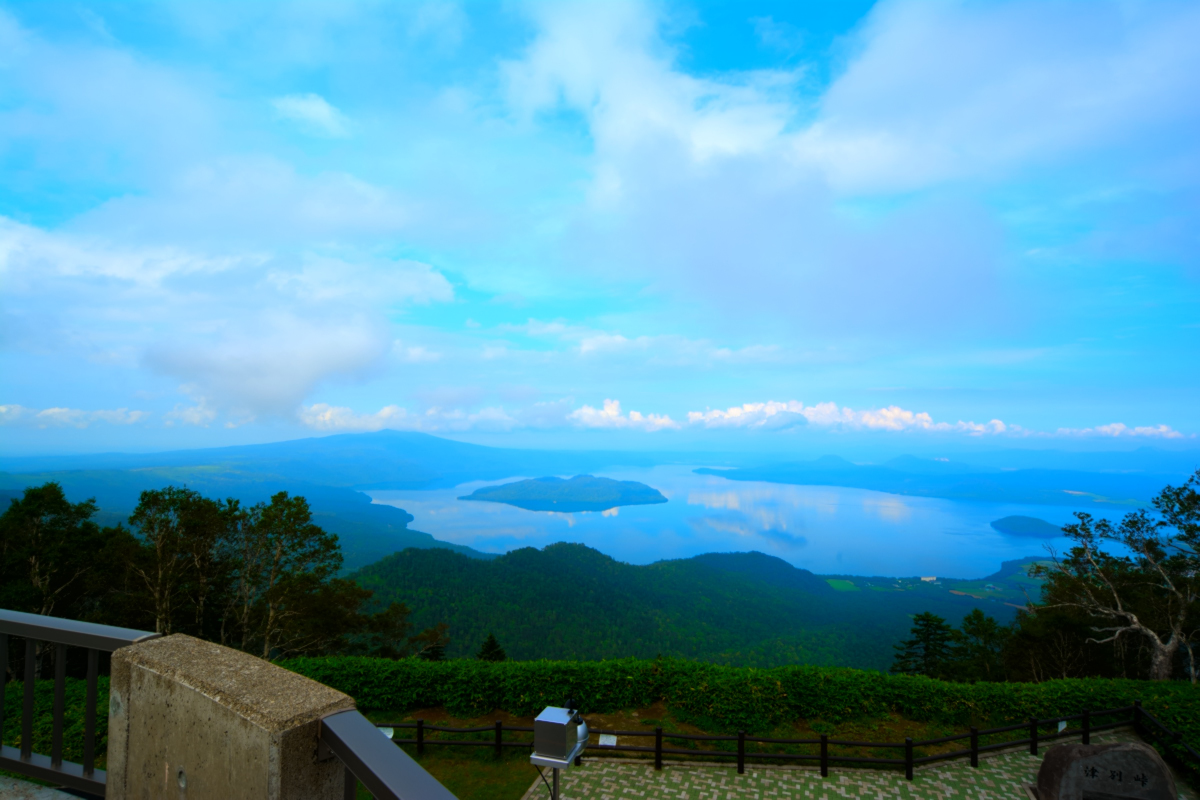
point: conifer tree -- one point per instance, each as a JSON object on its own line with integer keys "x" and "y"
{"x": 927, "y": 652}
{"x": 491, "y": 650}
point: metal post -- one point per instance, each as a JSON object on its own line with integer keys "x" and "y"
{"x": 1033, "y": 742}
{"x": 420, "y": 737}
{"x": 555, "y": 792}
{"x": 908, "y": 758}
{"x": 1137, "y": 716}
{"x": 60, "y": 686}
{"x": 658, "y": 748}
{"x": 3, "y": 679}
{"x": 27, "y": 711}
{"x": 974, "y": 747}
{"x": 349, "y": 785}
{"x": 741, "y": 752}
{"x": 89, "y": 714}
{"x": 499, "y": 740}
{"x": 824, "y": 755}
{"x": 1087, "y": 726}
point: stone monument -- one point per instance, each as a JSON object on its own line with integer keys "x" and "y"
{"x": 1124, "y": 771}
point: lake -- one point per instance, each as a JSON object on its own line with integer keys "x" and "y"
{"x": 826, "y": 529}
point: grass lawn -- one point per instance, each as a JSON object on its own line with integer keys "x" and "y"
{"x": 842, "y": 585}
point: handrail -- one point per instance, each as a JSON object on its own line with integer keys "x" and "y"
{"x": 385, "y": 770}
{"x": 70, "y": 632}
{"x": 61, "y": 633}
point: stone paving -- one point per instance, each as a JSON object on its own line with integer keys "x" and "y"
{"x": 998, "y": 776}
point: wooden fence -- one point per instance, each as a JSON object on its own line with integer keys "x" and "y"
{"x": 1145, "y": 724}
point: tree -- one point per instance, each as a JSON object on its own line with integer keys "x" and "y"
{"x": 430, "y": 644}
{"x": 47, "y": 545}
{"x": 977, "y": 648}
{"x": 184, "y": 535}
{"x": 928, "y": 651}
{"x": 281, "y": 560}
{"x": 1152, "y": 593}
{"x": 491, "y": 650}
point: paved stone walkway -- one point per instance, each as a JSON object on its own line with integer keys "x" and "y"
{"x": 999, "y": 777}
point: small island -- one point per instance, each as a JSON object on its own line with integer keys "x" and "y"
{"x": 1027, "y": 526}
{"x": 581, "y": 493}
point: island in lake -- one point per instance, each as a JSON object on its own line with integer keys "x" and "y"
{"x": 1027, "y": 526}
{"x": 581, "y": 493}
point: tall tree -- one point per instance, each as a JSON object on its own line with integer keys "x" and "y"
{"x": 282, "y": 559}
{"x": 181, "y": 532}
{"x": 47, "y": 546}
{"x": 977, "y": 648}
{"x": 1151, "y": 591}
{"x": 928, "y": 651}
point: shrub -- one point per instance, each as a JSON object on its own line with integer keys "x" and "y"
{"x": 724, "y": 698}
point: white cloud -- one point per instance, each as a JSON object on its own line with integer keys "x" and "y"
{"x": 67, "y": 417}
{"x": 324, "y": 417}
{"x": 610, "y": 416}
{"x": 774, "y": 415}
{"x": 272, "y": 364}
{"x": 414, "y": 354}
{"x": 313, "y": 113}
{"x": 1118, "y": 429}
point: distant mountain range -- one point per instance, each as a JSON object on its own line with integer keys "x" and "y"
{"x": 330, "y": 471}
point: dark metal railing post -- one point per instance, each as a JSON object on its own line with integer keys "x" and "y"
{"x": 89, "y": 714}
{"x": 824, "y": 755}
{"x": 1137, "y": 716}
{"x": 420, "y": 737}
{"x": 741, "y": 752}
{"x": 52, "y": 637}
{"x": 27, "y": 710}
{"x": 3, "y": 679}
{"x": 60, "y": 689}
{"x": 908, "y": 758}
{"x": 1087, "y": 726}
{"x": 1033, "y": 736}
{"x": 974, "y": 747}
{"x": 658, "y": 748}
{"x": 349, "y": 786}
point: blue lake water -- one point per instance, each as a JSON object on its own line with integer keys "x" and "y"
{"x": 826, "y": 529}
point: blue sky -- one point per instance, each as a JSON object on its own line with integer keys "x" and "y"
{"x": 922, "y": 224}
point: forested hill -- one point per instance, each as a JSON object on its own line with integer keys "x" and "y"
{"x": 569, "y": 601}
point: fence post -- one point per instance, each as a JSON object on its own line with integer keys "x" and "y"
{"x": 1087, "y": 726}
{"x": 499, "y": 739}
{"x": 908, "y": 758}
{"x": 824, "y": 755}
{"x": 1033, "y": 742}
{"x": 741, "y": 752}
{"x": 974, "y": 747}
{"x": 420, "y": 737}
{"x": 27, "y": 707}
{"x": 658, "y": 748}
{"x": 1137, "y": 716}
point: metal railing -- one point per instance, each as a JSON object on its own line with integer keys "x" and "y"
{"x": 1145, "y": 724}
{"x": 36, "y": 629}
{"x": 386, "y": 771}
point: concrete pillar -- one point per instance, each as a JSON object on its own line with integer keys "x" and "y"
{"x": 193, "y": 720}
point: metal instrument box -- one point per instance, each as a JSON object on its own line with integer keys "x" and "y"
{"x": 556, "y": 737}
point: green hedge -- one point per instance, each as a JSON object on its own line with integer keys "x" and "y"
{"x": 722, "y": 698}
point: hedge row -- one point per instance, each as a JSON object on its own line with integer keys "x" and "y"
{"x": 723, "y": 698}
